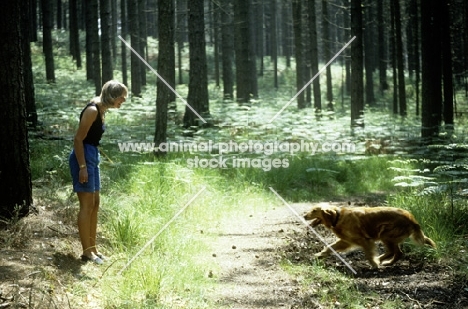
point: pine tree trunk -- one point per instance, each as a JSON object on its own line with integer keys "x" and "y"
{"x": 30, "y": 99}
{"x": 357, "y": 87}
{"x": 142, "y": 38}
{"x": 274, "y": 42}
{"x": 123, "y": 46}
{"x": 181, "y": 29}
{"x": 246, "y": 76}
{"x": 431, "y": 103}
{"x": 400, "y": 60}
{"x": 135, "y": 62}
{"x": 227, "y": 48}
{"x": 327, "y": 50}
{"x": 314, "y": 56}
{"x": 298, "y": 48}
{"x": 47, "y": 39}
{"x": 198, "y": 81}
{"x": 447, "y": 65}
{"x": 95, "y": 44}
{"x": 106, "y": 52}
{"x": 381, "y": 47}
{"x": 368, "y": 55}
{"x": 15, "y": 173}
{"x": 166, "y": 68}
{"x": 73, "y": 33}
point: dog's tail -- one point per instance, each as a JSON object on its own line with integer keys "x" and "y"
{"x": 421, "y": 239}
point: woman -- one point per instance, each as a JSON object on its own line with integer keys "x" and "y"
{"x": 84, "y": 164}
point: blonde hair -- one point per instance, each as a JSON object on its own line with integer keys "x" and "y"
{"x": 111, "y": 91}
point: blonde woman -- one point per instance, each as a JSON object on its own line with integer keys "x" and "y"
{"x": 84, "y": 164}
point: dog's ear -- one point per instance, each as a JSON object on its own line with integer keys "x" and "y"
{"x": 329, "y": 216}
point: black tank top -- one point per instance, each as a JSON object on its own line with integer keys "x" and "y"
{"x": 97, "y": 128}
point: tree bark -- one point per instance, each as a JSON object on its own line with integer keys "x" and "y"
{"x": 198, "y": 81}
{"x": 357, "y": 99}
{"x": 314, "y": 60}
{"x": 246, "y": 72}
{"x": 15, "y": 173}
{"x": 166, "y": 68}
{"x": 135, "y": 62}
{"x": 47, "y": 25}
{"x": 106, "y": 46}
{"x": 431, "y": 104}
{"x": 298, "y": 48}
{"x": 227, "y": 48}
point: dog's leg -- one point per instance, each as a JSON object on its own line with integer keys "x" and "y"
{"x": 339, "y": 246}
{"x": 389, "y": 251}
{"x": 370, "y": 252}
{"x": 397, "y": 254}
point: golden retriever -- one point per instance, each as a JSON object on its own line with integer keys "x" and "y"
{"x": 363, "y": 226}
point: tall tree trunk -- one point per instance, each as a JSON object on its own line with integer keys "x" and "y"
{"x": 198, "y": 81}
{"x": 286, "y": 31}
{"x": 382, "y": 50}
{"x": 106, "y": 48}
{"x": 29, "y": 94}
{"x": 447, "y": 64}
{"x": 326, "y": 39}
{"x": 74, "y": 33}
{"x": 431, "y": 106}
{"x": 400, "y": 60}
{"x": 47, "y": 39}
{"x": 347, "y": 25}
{"x": 166, "y": 68}
{"x": 314, "y": 61}
{"x": 227, "y": 48}
{"x": 414, "y": 46}
{"x": 89, "y": 40}
{"x": 135, "y": 62}
{"x": 369, "y": 54}
{"x": 357, "y": 87}
{"x": 15, "y": 173}
{"x": 246, "y": 76}
{"x": 216, "y": 39}
{"x": 393, "y": 56}
{"x": 180, "y": 32}
{"x": 123, "y": 46}
{"x": 260, "y": 44}
{"x": 274, "y": 42}
{"x": 141, "y": 47}
{"x": 95, "y": 44}
{"x": 298, "y": 48}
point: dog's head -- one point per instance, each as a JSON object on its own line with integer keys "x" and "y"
{"x": 322, "y": 214}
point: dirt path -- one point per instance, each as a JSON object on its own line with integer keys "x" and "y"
{"x": 251, "y": 275}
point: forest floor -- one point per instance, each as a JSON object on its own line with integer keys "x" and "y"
{"x": 249, "y": 254}
{"x": 252, "y": 275}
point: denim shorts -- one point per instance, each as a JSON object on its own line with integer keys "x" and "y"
{"x": 92, "y": 158}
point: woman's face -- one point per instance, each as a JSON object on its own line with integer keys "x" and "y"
{"x": 119, "y": 101}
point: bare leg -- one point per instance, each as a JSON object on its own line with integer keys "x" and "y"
{"x": 93, "y": 222}
{"x": 85, "y": 223}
